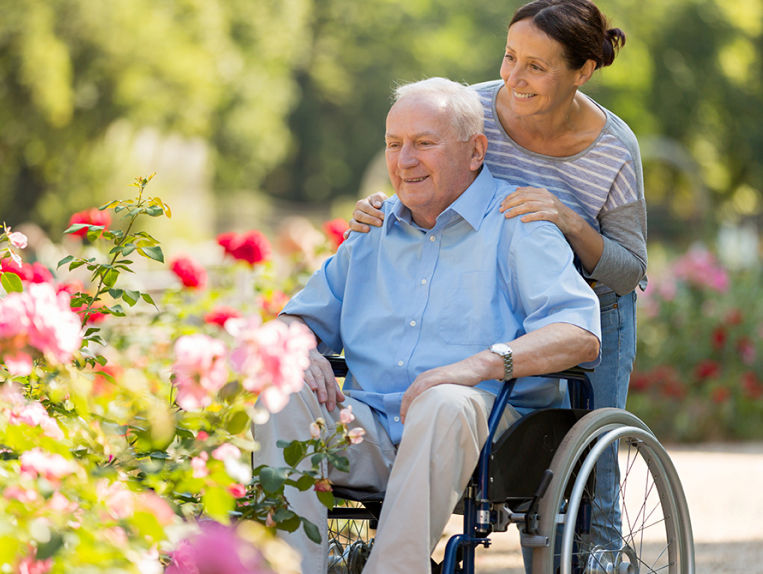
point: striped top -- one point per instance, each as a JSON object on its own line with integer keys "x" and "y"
{"x": 603, "y": 184}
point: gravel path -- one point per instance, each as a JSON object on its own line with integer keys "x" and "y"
{"x": 724, "y": 489}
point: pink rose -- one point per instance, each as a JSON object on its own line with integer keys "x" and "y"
{"x": 200, "y": 370}
{"x": 225, "y": 451}
{"x": 355, "y": 436}
{"x": 217, "y": 548}
{"x": 346, "y": 416}
{"x": 41, "y": 320}
{"x": 37, "y": 462}
{"x": 18, "y": 239}
{"x": 272, "y": 359}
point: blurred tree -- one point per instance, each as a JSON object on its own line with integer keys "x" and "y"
{"x": 702, "y": 96}
{"x": 69, "y": 69}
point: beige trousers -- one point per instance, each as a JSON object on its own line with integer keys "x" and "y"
{"x": 444, "y": 432}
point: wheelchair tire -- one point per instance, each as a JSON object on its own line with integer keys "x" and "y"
{"x": 655, "y": 530}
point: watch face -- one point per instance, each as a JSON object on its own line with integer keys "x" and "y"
{"x": 500, "y": 348}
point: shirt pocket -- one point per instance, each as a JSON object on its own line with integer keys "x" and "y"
{"x": 468, "y": 317}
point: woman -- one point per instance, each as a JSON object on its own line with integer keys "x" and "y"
{"x": 578, "y": 166}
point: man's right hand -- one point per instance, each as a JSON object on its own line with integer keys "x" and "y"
{"x": 367, "y": 212}
{"x": 320, "y": 378}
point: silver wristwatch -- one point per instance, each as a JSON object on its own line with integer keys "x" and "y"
{"x": 503, "y": 350}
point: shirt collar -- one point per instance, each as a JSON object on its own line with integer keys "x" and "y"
{"x": 471, "y": 205}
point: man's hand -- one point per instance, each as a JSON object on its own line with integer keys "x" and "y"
{"x": 469, "y": 372}
{"x": 320, "y": 378}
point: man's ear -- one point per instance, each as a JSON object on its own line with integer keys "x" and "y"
{"x": 479, "y": 147}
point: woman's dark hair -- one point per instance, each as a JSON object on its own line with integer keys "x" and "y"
{"x": 578, "y": 26}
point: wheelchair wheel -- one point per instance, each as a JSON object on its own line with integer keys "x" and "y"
{"x": 653, "y": 528}
{"x": 350, "y": 542}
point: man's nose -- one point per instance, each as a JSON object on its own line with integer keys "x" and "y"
{"x": 407, "y": 157}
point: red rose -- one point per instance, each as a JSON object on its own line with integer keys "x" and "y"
{"x": 225, "y": 240}
{"x": 219, "y": 315}
{"x": 707, "y": 369}
{"x": 24, "y": 271}
{"x": 719, "y": 338}
{"x": 92, "y": 216}
{"x": 335, "y": 230}
{"x": 252, "y": 246}
{"x": 190, "y": 273}
{"x": 40, "y": 273}
{"x": 323, "y": 485}
{"x": 720, "y": 395}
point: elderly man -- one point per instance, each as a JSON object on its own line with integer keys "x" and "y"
{"x": 432, "y": 310}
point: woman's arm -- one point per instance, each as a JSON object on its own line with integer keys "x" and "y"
{"x": 615, "y": 257}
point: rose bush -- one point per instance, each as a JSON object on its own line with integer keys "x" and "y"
{"x": 698, "y": 368}
{"x": 124, "y": 437}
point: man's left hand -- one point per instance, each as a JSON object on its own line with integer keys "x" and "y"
{"x": 469, "y": 372}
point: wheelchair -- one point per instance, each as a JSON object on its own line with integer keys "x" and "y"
{"x": 540, "y": 474}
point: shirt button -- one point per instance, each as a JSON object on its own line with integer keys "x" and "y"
{"x": 432, "y": 238}
{"x": 396, "y": 419}
{"x": 400, "y": 363}
{"x": 423, "y": 281}
{"x": 412, "y": 323}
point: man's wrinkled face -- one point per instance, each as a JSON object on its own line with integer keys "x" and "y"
{"x": 427, "y": 165}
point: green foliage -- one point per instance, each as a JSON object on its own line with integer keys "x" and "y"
{"x": 100, "y": 469}
{"x": 697, "y": 373}
{"x": 71, "y": 70}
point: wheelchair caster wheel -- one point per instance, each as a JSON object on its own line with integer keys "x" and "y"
{"x": 600, "y": 561}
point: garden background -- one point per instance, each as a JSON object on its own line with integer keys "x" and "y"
{"x": 267, "y": 116}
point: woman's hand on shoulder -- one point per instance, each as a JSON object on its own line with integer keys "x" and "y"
{"x": 367, "y": 212}
{"x": 537, "y": 204}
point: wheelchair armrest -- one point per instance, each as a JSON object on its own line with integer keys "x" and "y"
{"x": 338, "y": 365}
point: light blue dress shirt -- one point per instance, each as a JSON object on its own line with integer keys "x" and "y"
{"x": 401, "y": 299}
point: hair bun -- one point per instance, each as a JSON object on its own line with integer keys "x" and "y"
{"x": 614, "y": 39}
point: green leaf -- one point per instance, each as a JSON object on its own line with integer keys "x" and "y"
{"x": 289, "y": 525}
{"x": 154, "y": 253}
{"x": 311, "y": 530}
{"x": 326, "y": 498}
{"x": 318, "y": 458}
{"x": 218, "y": 503}
{"x": 76, "y": 227}
{"x": 272, "y": 479}
{"x": 154, "y": 211}
{"x": 148, "y": 299}
{"x": 339, "y": 462}
{"x": 110, "y": 277}
{"x": 11, "y": 282}
{"x": 305, "y": 483}
{"x": 283, "y": 514}
{"x": 65, "y": 260}
{"x": 294, "y": 452}
{"x": 130, "y": 297}
{"x": 237, "y": 422}
{"x": 115, "y": 293}
{"x": 48, "y": 549}
{"x": 75, "y": 265}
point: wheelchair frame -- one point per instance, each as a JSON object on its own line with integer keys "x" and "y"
{"x": 554, "y": 515}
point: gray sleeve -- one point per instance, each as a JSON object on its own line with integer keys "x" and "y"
{"x": 623, "y": 261}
